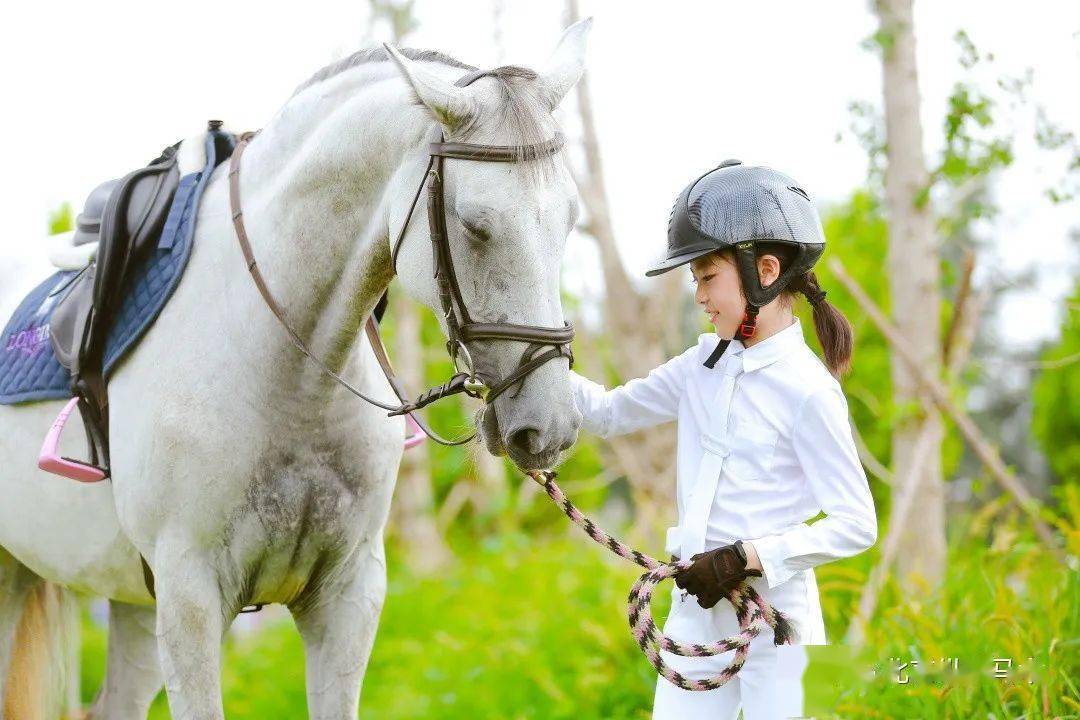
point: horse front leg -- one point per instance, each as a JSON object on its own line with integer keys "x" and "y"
{"x": 338, "y": 629}
{"x": 190, "y": 624}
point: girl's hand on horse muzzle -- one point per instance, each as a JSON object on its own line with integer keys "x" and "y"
{"x": 715, "y": 574}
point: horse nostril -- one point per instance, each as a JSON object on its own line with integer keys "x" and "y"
{"x": 527, "y": 439}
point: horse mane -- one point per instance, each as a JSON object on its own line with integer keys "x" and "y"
{"x": 524, "y": 112}
{"x": 378, "y": 54}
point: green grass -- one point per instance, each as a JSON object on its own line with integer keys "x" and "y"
{"x": 1004, "y": 598}
{"x": 524, "y": 627}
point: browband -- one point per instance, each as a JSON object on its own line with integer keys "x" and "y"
{"x": 497, "y": 153}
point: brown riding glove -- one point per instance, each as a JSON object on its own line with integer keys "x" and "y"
{"x": 715, "y": 573}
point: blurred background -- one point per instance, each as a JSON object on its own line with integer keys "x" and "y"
{"x": 941, "y": 148}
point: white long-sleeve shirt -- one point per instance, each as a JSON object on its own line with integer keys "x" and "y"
{"x": 792, "y": 454}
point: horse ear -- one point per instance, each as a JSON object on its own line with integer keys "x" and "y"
{"x": 452, "y": 106}
{"x": 566, "y": 64}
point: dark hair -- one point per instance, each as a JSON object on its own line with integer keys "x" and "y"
{"x": 833, "y": 329}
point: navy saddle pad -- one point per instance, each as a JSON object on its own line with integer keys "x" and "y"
{"x": 29, "y": 371}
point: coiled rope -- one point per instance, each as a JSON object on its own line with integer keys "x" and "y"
{"x": 753, "y": 613}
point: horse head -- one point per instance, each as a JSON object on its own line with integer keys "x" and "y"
{"x": 506, "y": 225}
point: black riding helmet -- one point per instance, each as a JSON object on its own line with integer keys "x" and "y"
{"x": 736, "y": 205}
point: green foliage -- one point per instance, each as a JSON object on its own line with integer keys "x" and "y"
{"x": 883, "y": 39}
{"x": 398, "y": 15}
{"x": 969, "y": 54}
{"x": 857, "y": 234}
{"x": 1005, "y": 598}
{"x": 974, "y": 148}
{"x": 534, "y": 626}
{"x": 61, "y": 220}
{"x": 967, "y": 155}
{"x": 1049, "y": 136}
{"x": 1055, "y": 420}
{"x": 868, "y": 129}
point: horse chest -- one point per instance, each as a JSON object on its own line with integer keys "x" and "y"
{"x": 302, "y": 511}
{"x": 305, "y": 492}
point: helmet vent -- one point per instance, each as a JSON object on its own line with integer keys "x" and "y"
{"x": 799, "y": 191}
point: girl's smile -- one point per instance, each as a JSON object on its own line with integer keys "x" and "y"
{"x": 718, "y": 291}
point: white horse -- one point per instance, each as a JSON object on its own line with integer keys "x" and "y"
{"x": 241, "y": 472}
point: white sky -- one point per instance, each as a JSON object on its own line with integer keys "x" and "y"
{"x": 677, "y": 87}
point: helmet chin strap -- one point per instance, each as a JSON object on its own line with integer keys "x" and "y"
{"x": 748, "y": 326}
{"x": 746, "y": 330}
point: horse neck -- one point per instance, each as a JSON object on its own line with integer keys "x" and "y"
{"x": 314, "y": 197}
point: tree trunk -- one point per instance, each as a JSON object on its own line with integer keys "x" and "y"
{"x": 414, "y": 503}
{"x": 643, "y": 327}
{"x": 913, "y": 270}
{"x": 413, "y": 509}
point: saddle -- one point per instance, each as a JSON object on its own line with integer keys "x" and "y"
{"x": 125, "y": 217}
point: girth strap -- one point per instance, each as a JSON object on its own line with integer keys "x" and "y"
{"x": 148, "y": 581}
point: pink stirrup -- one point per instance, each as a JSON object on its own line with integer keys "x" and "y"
{"x": 416, "y": 435}
{"x": 49, "y": 458}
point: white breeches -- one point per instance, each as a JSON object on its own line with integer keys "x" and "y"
{"x": 769, "y": 685}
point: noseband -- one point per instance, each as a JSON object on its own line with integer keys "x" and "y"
{"x": 460, "y": 327}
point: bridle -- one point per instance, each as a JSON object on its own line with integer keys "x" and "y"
{"x": 460, "y": 327}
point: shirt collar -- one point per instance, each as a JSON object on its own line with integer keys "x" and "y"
{"x": 770, "y": 349}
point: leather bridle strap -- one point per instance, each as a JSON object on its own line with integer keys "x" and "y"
{"x": 529, "y": 362}
{"x": 459, "y": 325}
{"x": 408, "y": 216}
{"x": 372, "y": 329}
{"x": 510, "y": 331}
{"x": 497, "y": 153}
{"x": 279, "y": 312}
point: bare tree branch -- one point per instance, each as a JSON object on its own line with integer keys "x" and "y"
{"x": 982, "y": 447}
{"x": 959, "y": 307}
{"x": 871, "y": 463}
{"x": 904, "y": 497}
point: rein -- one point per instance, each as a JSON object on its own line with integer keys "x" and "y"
{"x": 753, "y": 612}
{"x": 279, "y": 312}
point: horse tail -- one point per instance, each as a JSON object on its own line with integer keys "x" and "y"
{"x": 42, "y": 680}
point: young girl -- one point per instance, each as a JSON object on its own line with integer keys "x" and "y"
{"x": 764, "y": 442}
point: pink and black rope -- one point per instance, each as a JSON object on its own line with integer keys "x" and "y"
{"x": 753, "y": 613}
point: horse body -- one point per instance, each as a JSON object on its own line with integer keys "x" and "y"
{"x": 290, "y": 469}
{"x": 57, "y": 528}
{"x": 241, "y": 473}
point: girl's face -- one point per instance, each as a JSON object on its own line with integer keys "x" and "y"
{"x": 719, "y": 292}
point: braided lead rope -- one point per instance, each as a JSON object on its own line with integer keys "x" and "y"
{"x": 753, "y": 613}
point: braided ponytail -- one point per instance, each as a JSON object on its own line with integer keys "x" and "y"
{"x": 833, "y": 330}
